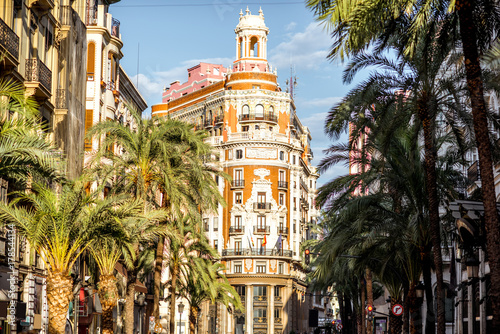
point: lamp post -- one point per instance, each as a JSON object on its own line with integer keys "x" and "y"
{"x": 181, "y": 309}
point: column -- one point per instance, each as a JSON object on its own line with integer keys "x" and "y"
{"x": 249, "y": 309}
{"x": 271, "y": 310}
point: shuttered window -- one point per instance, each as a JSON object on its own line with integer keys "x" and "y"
{"x": 88, "y": 124}
{"x": 90, "y": 61}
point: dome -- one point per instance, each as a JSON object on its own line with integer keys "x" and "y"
{"x": 250, "y": 21}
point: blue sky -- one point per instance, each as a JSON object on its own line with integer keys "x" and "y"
{"x": 170, "y": 36}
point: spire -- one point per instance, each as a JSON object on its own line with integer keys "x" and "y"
{"x": 247, "y": 11}
{"x": 241, "y": 13}
{"x": 261, "y": 14}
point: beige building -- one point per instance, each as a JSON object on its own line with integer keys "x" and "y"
{"x": 264, "y": 147}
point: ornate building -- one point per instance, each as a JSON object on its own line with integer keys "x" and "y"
{"x": 264, "y": 147}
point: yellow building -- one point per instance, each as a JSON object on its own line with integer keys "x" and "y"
{"x": 266, "y": 150}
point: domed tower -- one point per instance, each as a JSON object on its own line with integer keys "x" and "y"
{"x": 251, "y": 43}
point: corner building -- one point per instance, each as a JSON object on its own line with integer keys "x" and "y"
{"x": 264, "y": 147}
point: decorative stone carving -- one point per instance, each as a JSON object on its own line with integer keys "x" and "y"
{"x": 262, "y": 153}
{"x": 262, "y": 172}
{"x": 272, "y": 264}
{"x": 248, "y": 264}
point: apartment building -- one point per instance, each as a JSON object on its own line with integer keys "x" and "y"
{"x": 262, "y": 144}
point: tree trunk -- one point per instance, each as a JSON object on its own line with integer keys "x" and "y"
{"x": 415, "y": 311}
{"x": 431, "y": 184}
{"x": 430, "y": 324}
{"x": 362, "y": 313}
{"x": 59, "y": 293}
{"x": 395, "y": 322}
{"x": 369, "y": 297}
{"x": 157, "y": 277}
{"x": 193, "y": 316}
{"x": 129, "y": 302}
{"x": 173, "y": 288}
{"x": 108, "y": 294}
{"x": 405, "y": 317}
{"x": 468, "y": 34}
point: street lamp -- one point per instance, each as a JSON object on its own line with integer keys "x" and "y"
{"x": 472, "y": 264}
{"x": 419, "y": 290}
{"x": 181, "y": 309}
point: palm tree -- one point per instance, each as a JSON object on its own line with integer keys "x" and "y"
{"x": 355, "y": 27}
{"x": 158, "y": 156}
{"x": 106, "y": 253}
{"x": 185, "y": 257}
{"x": 24, "y": 149}
{"x": 60, "y": 226}
{"x": 210, "y": 284}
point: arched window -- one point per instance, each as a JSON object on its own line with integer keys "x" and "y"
{"x": 90, "y": 61}
{"x": 271, "y": 110}
{"x": 242, "y": 48}
{"x": 254, "y": 47}
{"x": 259, "y": 110}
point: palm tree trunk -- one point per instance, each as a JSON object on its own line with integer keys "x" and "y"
{"x": 362, "y": 314}
{"x": 108, "y": 294}
{"x": 431, "y": 185}
{"x": 157, "y": 277}
{"x": 430, "y": 324}
{"x": 59, "y": 293}
{"x": 369, "y": 297}
{"x": 129, "y": 302}
{"x": 405, "y": 317}
{"x": 395, "y": 322}
{"x": 173, "y": 288}
{"x": 468, "y": 34}
{"x": 193, "y": 315}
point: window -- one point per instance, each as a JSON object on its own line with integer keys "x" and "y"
{"x": 260, "y": 290}
{"x": 261, "y": 199}
{"x": 239, "y": 154}
{"x": 277, "y": 313}
{"x": 282, "y": 155}
{"x": 293, "y": 160}
{"x": 89, "y": 115}
{"x": 271, "y": 128}
{"x": 90, "y": 61}
{"x": 238, "y": 198}
{"x": 206, "y": 226}
{"x": 281, "y": 225}
{"x": 237, "y": 247}
{"x": 216, "y": 244}
{"x": 257, "y": 127}
{"x": 238, "y": 269}
{"x": 261, "y": 223}
{"x": 294, "y": 225}
{"x": 237, "y": 222}
{"x": 3, "y": 190}
{"x": 260, "y": 268}
{"x": 245, "y": 110}
{"x": 254, "y": 47}
{"x": 240, "y": 289}
{"x": 260, "y": 312}
{"x": 280, "y": 268}
{"x": 282, "y": 199}
{"x": 255, "y": 86}
{"x": 216, "y": 224}
{"x": 295, "y": 203}
{"x": 259, "y": 111}
{"x": 111, "y": 68}
{"x": 277, "y": 290}
{"x": 230, "y": 154}
{"x": 245, "y": 128}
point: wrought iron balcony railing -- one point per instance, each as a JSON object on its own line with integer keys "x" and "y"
{"x": 262, "y": 206}
{"x": 282, "y": 230}
{"x": 236, "y": 229}
{"x": 219, "y": 119}
{"x": 36, "y": 70}
{"x": 9, "y": 40}
{"x": 261, "y": 229}
{"x": 283, "y": 184}
{"x": 260, "y": 298}
{"x": 238, "y": 183}
{"x": 252, "y": 117}
{"x": 256, "y": 252}
{"x": 473, "y": 173}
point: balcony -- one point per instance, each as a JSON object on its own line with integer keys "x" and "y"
{"x": 261, "y": 229}
{"x": 219, "y": 119}
{"x": 277, "y": 321}
{"x": 68, "y": 15}
{"x": 256, "y": 252}
{"x": 283, "y": 230}
{"x": 209, "y": 123}
{"x": 38, "y": 78}
{"x": 91, "y": 15}
{"x": 42, "y": 4}
{"x": 262, "y": 206}
{"x": 260, "y": 299}
{"x": 234, "y": 230}
{"x": 9, "y": 45}
{"x": 283, "y": 185}
{"x": 278, "y": 299}
{"x": 237, "y": 184}
{"x": 270, "y": 118}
